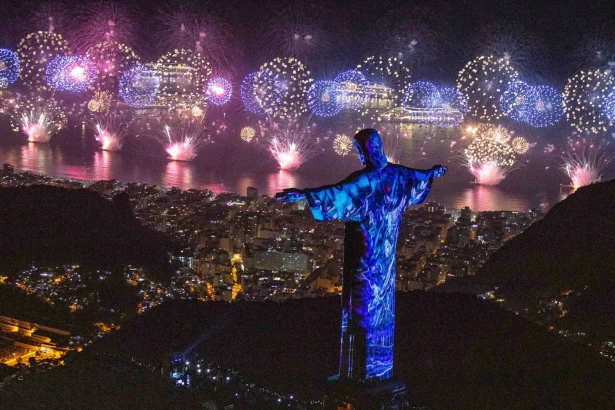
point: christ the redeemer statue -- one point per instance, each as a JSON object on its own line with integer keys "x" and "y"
{"x": 370, "y": 202}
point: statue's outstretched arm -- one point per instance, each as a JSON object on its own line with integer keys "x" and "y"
{"x": 418, "y": 182}
{"x": 438, "y": 170}
{"x": 434, "y": 172}
{"x": 290, "y": 195}
{"x": 347, "y": 200}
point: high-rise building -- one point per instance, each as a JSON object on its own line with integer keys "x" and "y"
{"x": 434, "y": 208}
{"x": 466, "y": 213}
{"x": 8, "y": 170}
{"x": 280, "y": 261}
{"x": 252, "y": 192}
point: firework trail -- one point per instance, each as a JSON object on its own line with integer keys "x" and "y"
{"x": 51, "y": 16}
{"x": 392, "y": 147}
{"x": 102, "y": 22}
{"x": 524, "y": 51}
{"x": 595, "y": 50}
{"x": 296, "y": 33}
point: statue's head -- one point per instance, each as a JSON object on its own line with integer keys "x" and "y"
{"x": 368, "y": 144}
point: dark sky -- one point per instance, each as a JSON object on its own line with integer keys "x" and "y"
{"x": 554, "y": 38}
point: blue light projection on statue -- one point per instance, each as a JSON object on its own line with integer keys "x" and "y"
{"x": 371, "y": 202}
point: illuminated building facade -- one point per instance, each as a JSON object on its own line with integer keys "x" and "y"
{"x": 178, "y": 86}
{"x": 281, "y": 261}
{"x": 442, "y": 116}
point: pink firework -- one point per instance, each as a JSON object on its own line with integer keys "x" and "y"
{"x": 490, "y": 157}
{"x": 50, "y": 16}
{"x": 287, "y": 154}
{"x": 111, "y": 130}
{"x": 175, "y": 24}
{"x": 109, "y": 141}
{"x": 292, "y": 143}
{"x": 488, "y": 173}
{"x": 104, "y": 21}
{"x": 181, "y": 150}
{"x": 37, "y": 131}
{"x": 183, "y": 139}
{"x": 584, "y": 163}
{"x": 39, "y": 119}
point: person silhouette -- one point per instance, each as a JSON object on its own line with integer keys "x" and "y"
{"x": 371, "y": 202}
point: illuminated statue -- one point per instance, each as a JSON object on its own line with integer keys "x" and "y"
{"x": 371, "y": 202}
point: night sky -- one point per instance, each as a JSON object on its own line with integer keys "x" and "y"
{"x": 555, "y": 38}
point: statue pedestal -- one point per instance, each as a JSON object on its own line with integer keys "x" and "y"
{"x": 378, "y": 395}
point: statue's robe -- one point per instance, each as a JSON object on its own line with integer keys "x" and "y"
{"x": 371, "y": 203}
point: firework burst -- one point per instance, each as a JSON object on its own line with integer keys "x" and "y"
{"x": 483, "y": 81}
{"x": 9, "y": 67}
{"x": 324, "y": 98}
{"x": 111, "y": 129}
{"x": 101, "y": 102}
{"x": 219, "y": 90}
{"x": 103, "y": 22}
{"x": 524, "y": 51}
{"x": 585, "y": 100}
{"x": 295, "y": 34}
{"x": 584, "y": 163}
{"x": 188, "y": 58}
{"x": 111, "y": 59}
{"x": 287, "y": 78}
{"x": 175, "y": 26}
{"x": 490, "y": 157}
{"x": 520, "y": 145}
{"x": 71, "y": 73}
{"x": 390, "y": 78}
{"x": 183, "y": 137}
{"x": 38, "y": 118}
{"x": 184, "y": 25}
{"x": 422, "y": 94}
{"x": 342, "y": 145}
{"x": 247, "y": 133}
{"x": 35, "y": 51}
{"x": 595, "y": 50}
{"x": 354, "y": 89}
{"x": 291, "y": 143}
{"x": 138, "y": 86}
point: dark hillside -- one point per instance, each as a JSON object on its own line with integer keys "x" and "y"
{"x": 453, "y": 350}
{"x": 53, "y": 226}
